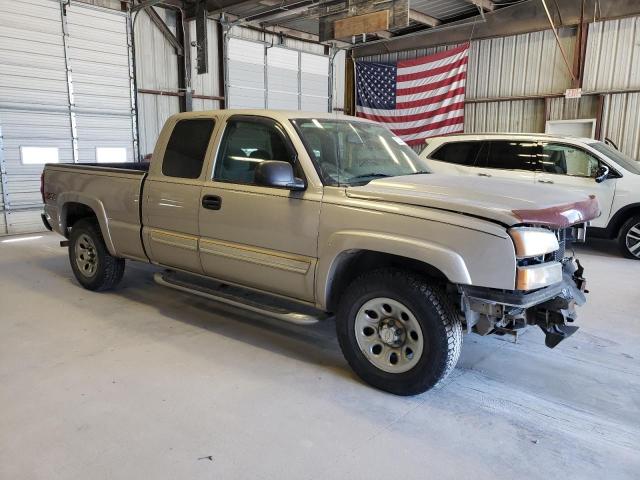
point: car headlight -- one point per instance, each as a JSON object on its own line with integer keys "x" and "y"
{"x": 533, "y": 242}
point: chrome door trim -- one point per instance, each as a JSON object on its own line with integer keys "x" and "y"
{"x": 187, "y": 242}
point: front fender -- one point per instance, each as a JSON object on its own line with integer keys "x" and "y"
{"x": 450, "y": 263}
{"x": 66, "y": 198}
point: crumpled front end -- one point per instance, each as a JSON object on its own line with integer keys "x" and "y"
{"x": 546, "y": 294}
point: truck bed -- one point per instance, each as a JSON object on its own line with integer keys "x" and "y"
{"x": 111, "y": 190}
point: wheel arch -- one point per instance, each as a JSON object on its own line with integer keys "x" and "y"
{"x": 76, "y": 206}
{"x": 620, "y": 217}
{"x": 354, "y": 253}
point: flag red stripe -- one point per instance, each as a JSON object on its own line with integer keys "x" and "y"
{"x": 412, "y": 118}
{"x": 434, "y": 71}
{"x": 431, "y": 86}
{"x": 432, "y": 58}
{"x": 431, "y": 126}
{"x": 429, "y": 100}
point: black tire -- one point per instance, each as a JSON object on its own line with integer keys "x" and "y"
{"x": 632, "y": 223}
{"x": 108, "y": 269}
{"x": 441, "y": 329}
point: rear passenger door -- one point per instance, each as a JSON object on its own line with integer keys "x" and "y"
{"x": 172, "y": 195}
{"x": 509, "y": 159}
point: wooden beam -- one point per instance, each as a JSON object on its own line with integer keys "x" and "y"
{"x": 368, "y": 23}
{"x": 424, "y": 19}
{"x": 486, "y": 5}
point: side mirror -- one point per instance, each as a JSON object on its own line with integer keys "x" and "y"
{"x": 273, "y": 173}
{"x": 602, "y": 173}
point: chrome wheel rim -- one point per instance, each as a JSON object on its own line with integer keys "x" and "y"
{"x": 389, "y": 335}
{"x": 633, "y": 240}
{"x": 86, "y": 255}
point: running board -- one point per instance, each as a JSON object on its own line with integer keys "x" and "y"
{"x": 242, "y": 299}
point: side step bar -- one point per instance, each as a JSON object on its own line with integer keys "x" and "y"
{"x": 240, "y": 300}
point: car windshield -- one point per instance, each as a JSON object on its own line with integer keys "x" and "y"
{"x": 354, "y": 153}
{"x": 617, "y": 156}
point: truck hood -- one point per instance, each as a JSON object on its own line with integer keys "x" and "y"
{"x": 503, "y": 201}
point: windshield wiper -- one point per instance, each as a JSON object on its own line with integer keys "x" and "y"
{"x": 419, "y": 173}
{"x": 370, "y": 175}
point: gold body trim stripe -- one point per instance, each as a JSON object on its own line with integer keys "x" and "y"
{"x": 188, "y": 242}
{"x": 268, "y": 258}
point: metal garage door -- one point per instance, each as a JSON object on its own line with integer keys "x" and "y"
{"x": 260, "y": 75}
{"x": 42, "y": 73}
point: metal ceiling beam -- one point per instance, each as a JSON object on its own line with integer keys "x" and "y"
{"x": 145, "y": 4}
{"x": 216, "y": 6}
{"x": 486, "y": 5}
{"x": 420, "y": 17}
{"x": 282, "y": 13}
{"x": 512, "y": 20}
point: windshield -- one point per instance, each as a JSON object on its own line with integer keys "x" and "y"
{"x": 617, "y": 156}
{"x": 353, "y": 153}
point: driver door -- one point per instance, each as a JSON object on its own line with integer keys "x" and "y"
{"x": 574, "y": 169}
{"x": 256, "y": 236}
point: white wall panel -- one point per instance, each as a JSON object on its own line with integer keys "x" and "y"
{"x": 34, "y": 104}
{"x": 283, "y": 70}
{"x": 99, "y": 58}
{"x": 621, "y": 122}
{"x": 246, "y": 74}
{"x": 613, "y": 55}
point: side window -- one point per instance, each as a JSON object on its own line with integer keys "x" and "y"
{"x": 567, "y": 160}
{"x": 245, "y": 144}
{"x": 459, "y": 153}
{"x": 187, "y": 147}
{"x": 512, "y": 155}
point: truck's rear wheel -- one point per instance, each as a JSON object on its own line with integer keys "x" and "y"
{"x": 629, "y": 238}
{"x": 398, "y": 332}
{"x": 92, "y": 264}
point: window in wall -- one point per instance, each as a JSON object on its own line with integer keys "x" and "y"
{"x": 567, "y": 160}
{"x": 510, "y": 155}
{"x": 246, "y": 143}
{"x": 111, "y": 154}
{"x": 39, "y": 155}
{"x": 187, "y": 148}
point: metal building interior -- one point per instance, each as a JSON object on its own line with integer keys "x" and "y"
{"x": 141, "y": 382}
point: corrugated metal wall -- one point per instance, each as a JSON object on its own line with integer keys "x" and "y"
{"x": 519, "y": 65}
{"x": 621, "y": 121}
{"x": 613, "y": 55}
{"x": 531, "y": 65}
{"x": 156, "y": 69}
{"x": 506, "y": 116}
{"x": 207, "y": 84}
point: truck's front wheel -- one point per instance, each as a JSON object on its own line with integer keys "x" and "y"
{"x": 398, "y": 332}
{"x": 92, "y": 264}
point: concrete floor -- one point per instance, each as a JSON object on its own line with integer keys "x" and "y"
{"x": 144, "y": 382}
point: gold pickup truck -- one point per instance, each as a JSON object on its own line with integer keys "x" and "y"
{"x": 302, "y": 216}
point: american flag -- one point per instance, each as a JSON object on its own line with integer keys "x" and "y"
{"x": 418, "y": 98}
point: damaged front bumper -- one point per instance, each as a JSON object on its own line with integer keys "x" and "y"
{"x": 508, "y": 311}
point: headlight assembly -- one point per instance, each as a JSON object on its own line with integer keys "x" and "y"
{"x": 533, "y": 242}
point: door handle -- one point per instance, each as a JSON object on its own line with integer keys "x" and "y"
{"x": 545, "y": 181}
{"x": 484, "y": 175}
{"x": 212, "y": 202}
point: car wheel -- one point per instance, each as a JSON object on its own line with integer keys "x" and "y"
{"x": 398, "y": 332}
{"x": 92, "y": 264}
{"x": 629, "y": 238}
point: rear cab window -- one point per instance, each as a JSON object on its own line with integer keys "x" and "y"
{"x": 187, "y": 147}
